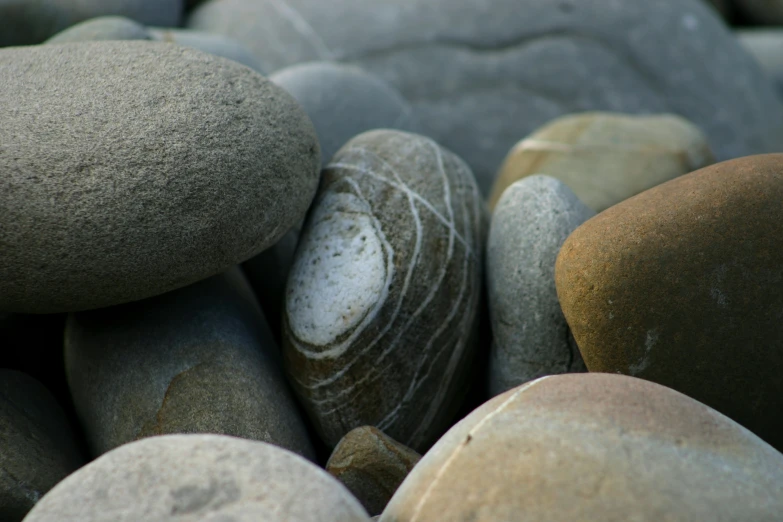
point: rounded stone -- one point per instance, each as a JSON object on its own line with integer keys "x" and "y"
{"x": 530, "y": 335}
{"x": 38, "y": 445}
{"x": 211, "y": 478}
{"x": 102, "y": 28}
{"x": 586, "y": 447}
{"x": 199, "y": 359}
{"x": 480, "y": 76}
{"x": 382, "y": 298}
{"x": 371, "y": 465}
{"x": 121, "y": 208}
{"x": 606, "y": 158}
{"x": 680, "y": 285}
{"x": 766, "y": 46}
{"x": 763, "y": 12}
{"x": 215, "y": 44}
{"x": 23, "y": 22}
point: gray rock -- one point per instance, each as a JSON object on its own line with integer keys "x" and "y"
{"x": 155, "y": 185}
{"x": 102, "y": 28}
{"x": 383, "y": 295}
{"x": 25, "y": 22}
{"x": 480, "y": 75}
{"x": 216, "y": 44}
{"x": 766, "y": 46}
{"x": 197, "y": 360}
{"x": 765, "y": 12}
{"x": 38, "y": 447}
{"x": 530, "y": 335}
{"x": 209, "y": 478}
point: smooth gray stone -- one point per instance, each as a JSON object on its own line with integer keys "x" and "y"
{"x": 102, "y": 28}
{"x": 531, "y": 338}
{"x": 37, "y": 446}
{"x": 205, "y": 478}
{"x": 129, "y": 169}
{"x": 196, "y": 360}
{"x": 766, "y": 46}
{"x": 25, "y": 22}
{"x": 216, "y": 44}
{"x": 482, "y": 74}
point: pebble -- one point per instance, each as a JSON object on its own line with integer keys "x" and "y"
{"x": 586, "y": 447}
{"x": 122, "y": 208}
{"x": 38, "y": 446}
{"x": 480, "y": 75}
{"x": 606, "y": 158}
{"x": 763, "y": 12}
{"x": 196, "y": 360}
{"x": 100, "y": 29}
{"x": 680, "y": 285}
{"x": 215, "y": 44}
{"x": 766, "y": 46}
{"x": 382, "y": 299}
{"x": 530, "y": 335}
{"x": 209, "y": 478}
{"x": 371, "y": 465}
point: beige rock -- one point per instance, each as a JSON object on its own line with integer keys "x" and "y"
{"x": 606, "y": 158}
{"x": 589, "y": 447}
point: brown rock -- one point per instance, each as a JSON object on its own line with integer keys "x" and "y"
{"x": 588, "y": 447}
{"x": 681, "y": 285}
{"x": 371, "y": 465}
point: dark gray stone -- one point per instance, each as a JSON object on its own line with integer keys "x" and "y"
{"x": 178, "y": 478}
{"x": 102, "y": 28}
{"x": 197, "y": 360}
{"x": 382, "y": 298}
{"x": 763, "y": 12}
{"x": 766, "y": 46}
{"x": 37, "y": 446}
{"x": 530, "y": 334}
{"x": 481, "y": 75}
{"x": 129, "y": 169}
{"x": 216, "y": 44}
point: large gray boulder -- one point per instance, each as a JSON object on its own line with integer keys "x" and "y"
{"x": 129, "y": 169}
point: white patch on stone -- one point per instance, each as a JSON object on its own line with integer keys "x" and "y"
{"x": 644, "y": 362}
{"x": 339, "y": 276}
{"x": 690, "y": 22}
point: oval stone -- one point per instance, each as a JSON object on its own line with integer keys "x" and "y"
{"x": 120, "y": 179}
{"x": 680, "y": 285}
{"x": 215, "y": 478}
{"x": 588, "y": 447}
{"x": 382, "y": 297}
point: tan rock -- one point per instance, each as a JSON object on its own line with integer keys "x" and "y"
{"x": 606, "y": 158}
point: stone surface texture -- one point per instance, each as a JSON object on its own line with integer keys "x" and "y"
{"x": 589, "y": 447}
{"x": 382, "y": 299}
{"x": 216, "y": 44}
{"x": 680, "y": 285}
{"x": 101, "y": 208}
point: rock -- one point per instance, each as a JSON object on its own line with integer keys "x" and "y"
{"x": 197, "y": 360}
{"x": 480, "y": 76}
{"x": 199, "y": 477}
{"x": 101, "y": 28}
{"x": 766, "y": 12}
{"x": 722, "y": 6}
{"x": 766, "y": 46}
{"x": 585, "y": 447}
{"x": 606, "y": 158}
{"x": 216, "y": 44}
{"x": 38, "y": 447}
{"x": 382, "y": 297}
{"x": 121, "y": 208}
{"x": 530, "y": 335}
{"x": 371, "y": 465}
{"x": 680, "y": 284}
{"x": 25, "y": 22}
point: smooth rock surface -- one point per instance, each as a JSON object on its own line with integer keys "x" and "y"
{"x": 38, "y": 446}
{"x": 101, "y": 28}
{"x": 216, "y": 44}
{"x": 590, "y": 447}
{"x": 209, "y": 478}
{"x": 680, "y": 285}
{"x": 121, "y": 208}
{"x": 530, "y": 335}
{"x": 382, "y": 298}
{"x": 481, "y": 75}
{"x": 25, "y": 22}
{"x": 606, "y": 158}
{"x": 371, "y": 465}
{"x": 766, "y": 46}
{"x": 764, "y": 12}
{"x": 197, "y": 360}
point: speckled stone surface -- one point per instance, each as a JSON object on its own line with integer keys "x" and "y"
{"x": 382, "y": 299}
{"x": 589, "y": 447}
{"x": 120, "y": 208}
{"x": 209, "y": 478}
{"x": 680, "y": 285}
{"x": 197, "y": 360}
{"x": 530, "y": 335}
{"x": 371, "y": 465}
